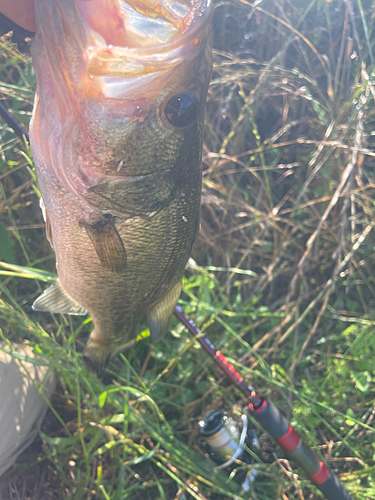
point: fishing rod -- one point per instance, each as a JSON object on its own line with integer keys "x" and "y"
{"x": 273, "y": 421}
{"x": 261, "y": 408}
{"x": 13, "y": 123}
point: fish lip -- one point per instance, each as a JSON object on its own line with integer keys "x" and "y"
{"x": 123, "y": 174}
{"x": 139, "y": 175}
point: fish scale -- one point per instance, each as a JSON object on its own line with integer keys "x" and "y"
{"x": 116, "y": 137}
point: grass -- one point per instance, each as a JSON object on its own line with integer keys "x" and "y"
{"x": 281, "y": 278}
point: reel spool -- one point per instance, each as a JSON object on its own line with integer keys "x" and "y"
{"x": 226, "y": 440}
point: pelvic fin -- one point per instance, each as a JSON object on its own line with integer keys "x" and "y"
{"x": 160, "y": 315}
{"x": 55, "y": 299}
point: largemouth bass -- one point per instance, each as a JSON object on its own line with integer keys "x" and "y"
{"x": 116, "y": 137}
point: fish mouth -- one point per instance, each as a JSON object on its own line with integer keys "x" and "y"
{"x": 134, "y": 38}
{"x": 112, "y": 48}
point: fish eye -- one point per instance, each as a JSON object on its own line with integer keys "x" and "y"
{"x": 182, "y": 109}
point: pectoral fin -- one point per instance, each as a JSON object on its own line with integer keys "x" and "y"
{"x": 108, "y": 245}
{"x": 160, "y": 315}
{"x": 55, "y": 299}
{"x": 47, "y": 221}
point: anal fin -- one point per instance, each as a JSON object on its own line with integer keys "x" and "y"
{"x": 160, "y": 315}
{"x": 55, "y": 299}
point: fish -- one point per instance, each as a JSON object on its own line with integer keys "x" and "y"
{"x": 116, "y": 137}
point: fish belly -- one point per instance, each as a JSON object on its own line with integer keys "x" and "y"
{"x": 156, "y": 251}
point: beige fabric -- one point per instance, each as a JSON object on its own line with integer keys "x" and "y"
{"x": 22, "y": 408}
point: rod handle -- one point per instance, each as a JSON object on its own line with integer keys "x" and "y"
{"x": 278, "y": 427}
{"x": 333, "y": 489}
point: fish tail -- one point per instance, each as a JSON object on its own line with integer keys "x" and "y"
{"x": 98, "y": 350}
